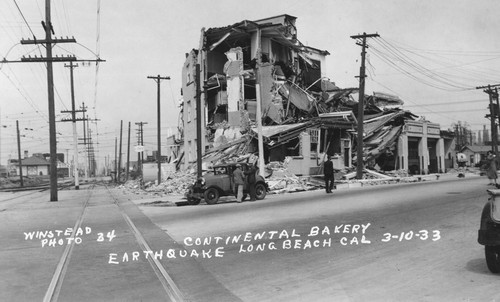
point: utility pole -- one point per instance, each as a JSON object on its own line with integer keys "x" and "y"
{"x": 493, "y": 114}
{"x": 52, "y": 115}
{"x": 73, "y": 120}
{"x": 199, "y": 137}
{"x": 19, "y": 154}
{"x": 116, "y": 173}
{"x": 84, "y": 109}
{"x": 361, "y": 102}
{"x": 140, "y": 149}
{"x": 158, "y": 79}
{"x": 50, "y": 89}
{"x": 120, "y": 154}
{"x": 258, "y": 115}
{"x": 128, "y": 153}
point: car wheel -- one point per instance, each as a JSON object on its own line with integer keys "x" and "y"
{"x": 260, "y": 191}
{"x": 492, "y": 254}
{"x": 193, "y": 201}
{"x": 211, "y": 196}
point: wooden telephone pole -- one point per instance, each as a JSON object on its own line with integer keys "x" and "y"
{"x": 494, "y": 108}
{"x": 361, "y": 102}
{"x": 158, "y": 79}
{"x": 73, "y": 120}
{"x": 19, "y": 154}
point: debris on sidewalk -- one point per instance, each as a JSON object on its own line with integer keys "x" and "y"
{"x": 176, "y": 183}
{"x": 283, "y": 181}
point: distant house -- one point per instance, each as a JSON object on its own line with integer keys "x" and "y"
{"x": 3, "y": 171}
{"x": 475, "y": 153}
{"x": 31, "y": 166}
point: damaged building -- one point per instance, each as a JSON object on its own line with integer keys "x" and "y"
{"x": 304, "y": 115}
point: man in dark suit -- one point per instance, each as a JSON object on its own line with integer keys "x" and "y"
{"x": 251, "y": 179}
{"x": 329, "y": 177}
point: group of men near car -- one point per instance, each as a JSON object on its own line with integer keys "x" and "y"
{"x": 248, "y": 177}
{"x": 245, "y": 177}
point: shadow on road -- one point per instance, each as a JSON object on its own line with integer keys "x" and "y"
{"x": 478, "y": 266}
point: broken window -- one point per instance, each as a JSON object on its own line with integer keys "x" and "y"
{"x": 311, "y": 74}
{"x": 293, "y": 147}
{"x": 314, "y": 135}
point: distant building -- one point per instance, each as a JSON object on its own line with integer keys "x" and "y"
{"x": 475, "y": 154}
{"x": 32, "y": 166}
{"x": 37, "y": 165}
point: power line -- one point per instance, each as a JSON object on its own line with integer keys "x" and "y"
{"x": 398, "y": 56}
{"x": 22, "y": 15}
{"x": 447, "y": 103}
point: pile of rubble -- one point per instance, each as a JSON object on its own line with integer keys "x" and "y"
{"x": 278, "y": 178}
{"x": 175, "y": 184}
{"x": 282, "y": 181}
{"x": 372, "y": 178}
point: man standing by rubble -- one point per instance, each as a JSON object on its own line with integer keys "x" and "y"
{"x": 239, "y": 181}
{"x": 250, "y": 174}
{"x": 329, "y": 176}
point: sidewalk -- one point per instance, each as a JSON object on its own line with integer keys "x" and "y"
{"x": 167, "y": 200}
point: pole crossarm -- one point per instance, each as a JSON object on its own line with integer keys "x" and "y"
{"x": 158, "y": 78}
{"x": 364, "y": 35}
{"x": 54, "y": 59}
{"x": 71, "y": 111}
{"x": 488, "y": 87}
{"x": 53, "y": 41}
{"x": 71, "y": 120}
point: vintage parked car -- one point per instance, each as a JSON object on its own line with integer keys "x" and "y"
{"x": 489, "y": 231}
{"x": 218, "y": 182}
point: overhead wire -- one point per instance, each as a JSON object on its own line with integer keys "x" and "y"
{"x": 400, "y": 61}
{"x": 22, "y": 15}
{"x": 452, "y": 65}
{"x": 392, "y": 54}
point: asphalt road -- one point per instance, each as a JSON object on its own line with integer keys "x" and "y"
{"x": 408, "y": 242}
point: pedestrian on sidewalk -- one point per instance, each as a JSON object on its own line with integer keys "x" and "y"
{"x": 329, "y": 176}
{"x": 491, "y": 172}
{"x": 239, "y": 181}
{"x": 251, "y": 179}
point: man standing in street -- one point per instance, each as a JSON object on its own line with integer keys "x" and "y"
{"x": 329, "y": 177}
{"x": 250, "y": 174}
{"x": 239, "y": 181}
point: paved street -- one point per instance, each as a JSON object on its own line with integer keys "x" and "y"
{"x": 407, "y": 242}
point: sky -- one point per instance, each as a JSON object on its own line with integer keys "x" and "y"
{"x": 431, "y": 54}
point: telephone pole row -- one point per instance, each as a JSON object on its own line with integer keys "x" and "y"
{"x": 48, "y": 43}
